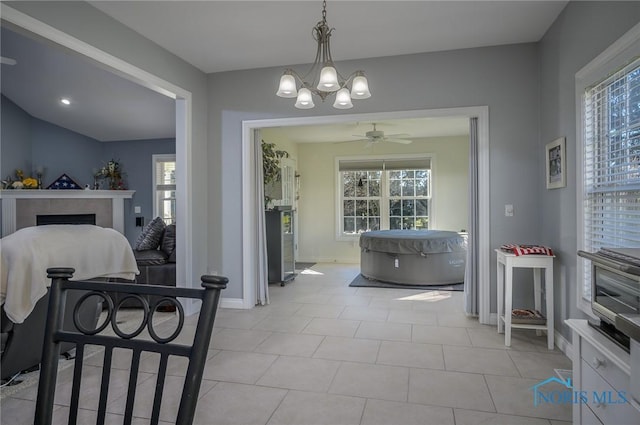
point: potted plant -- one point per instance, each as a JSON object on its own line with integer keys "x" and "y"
{"x": 271, "y": 172}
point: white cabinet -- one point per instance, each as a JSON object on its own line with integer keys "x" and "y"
{"x": 601, "y": 372}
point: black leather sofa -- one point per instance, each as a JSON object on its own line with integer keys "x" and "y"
{"x": 157, "y": 266}
{"x": 21, "y": 343}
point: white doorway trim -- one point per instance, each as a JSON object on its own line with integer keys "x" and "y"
{"x": 249, "y": 128}
{"x": 183, "y": 100}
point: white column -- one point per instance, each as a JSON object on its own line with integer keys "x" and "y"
{"x": 8, "y": 216}
{"x": 117, "y": 206}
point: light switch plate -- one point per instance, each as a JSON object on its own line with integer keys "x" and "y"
{"x": 137, "y": 209}
{"x": 508, "y": 210}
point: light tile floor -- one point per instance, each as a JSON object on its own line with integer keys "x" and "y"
{"x": 325, "y": 353}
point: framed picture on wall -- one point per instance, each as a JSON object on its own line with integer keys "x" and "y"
{"x": 555, "y": 153}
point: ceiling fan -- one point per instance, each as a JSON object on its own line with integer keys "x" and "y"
{"x": 377, "y": 136}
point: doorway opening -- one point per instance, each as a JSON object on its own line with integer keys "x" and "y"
{"x": 250, "y": 129}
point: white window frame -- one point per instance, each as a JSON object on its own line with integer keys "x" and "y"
{"x": 154, "y": 189}
{"x": 384, "y": 207}
{"x": 616, "y": 56}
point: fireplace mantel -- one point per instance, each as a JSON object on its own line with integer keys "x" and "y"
{"x": 9, "y": 198}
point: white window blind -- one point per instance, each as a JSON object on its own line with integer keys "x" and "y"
{"x": 611, "y": 163}
{"x": 385, "y": 164}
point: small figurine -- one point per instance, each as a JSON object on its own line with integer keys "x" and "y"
{"x": 7, "y": 183}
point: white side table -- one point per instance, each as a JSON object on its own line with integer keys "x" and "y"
{"x": 506, "y": 263}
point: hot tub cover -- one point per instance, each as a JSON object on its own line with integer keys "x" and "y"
{"x": 413, "y": 241}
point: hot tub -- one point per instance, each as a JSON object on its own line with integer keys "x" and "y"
{"x": 413, "y": 257}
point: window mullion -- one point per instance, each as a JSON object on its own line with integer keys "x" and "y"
{"x": 384, "y": 200}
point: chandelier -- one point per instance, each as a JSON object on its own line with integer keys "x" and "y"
{"x": 328, "y": 80}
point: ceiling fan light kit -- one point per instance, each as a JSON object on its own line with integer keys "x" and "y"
{"x": 376, "y": 136}
{"x": 7, "y": 61}
{"x": 325, "y": 82}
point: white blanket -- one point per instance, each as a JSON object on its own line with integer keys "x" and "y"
{"x": 26, "y": 254}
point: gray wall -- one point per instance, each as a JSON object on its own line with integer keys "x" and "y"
{"x": 63, "y": 151}
{"x": 581, "y": 32}
{"x": 86, "y": 23}
{"x": 504, "y": 78}
{"x": 15, "y": 139}
{"x": 135, "y": 158}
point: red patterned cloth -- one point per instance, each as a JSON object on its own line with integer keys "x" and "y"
{"x": 527, "y": 249}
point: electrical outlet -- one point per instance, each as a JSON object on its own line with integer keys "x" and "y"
{"x": 508, "y": 210}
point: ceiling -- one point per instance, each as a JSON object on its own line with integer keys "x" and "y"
{"x": 103, "y": 106}
{"x": 217, "y": 36}
{"x": 220, "y": 36}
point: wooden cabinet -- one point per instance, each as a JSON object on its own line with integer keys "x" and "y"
{"x": 280, "y": 244}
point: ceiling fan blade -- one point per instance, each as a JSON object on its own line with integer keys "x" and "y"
{"x": 398, "y": 135}
{"x": 401, "y": 141}
{"x": 7, "y": 61}
{"x": 352, "y": 141}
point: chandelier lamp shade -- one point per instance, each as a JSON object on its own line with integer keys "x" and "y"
{"x": 323, "y": 79}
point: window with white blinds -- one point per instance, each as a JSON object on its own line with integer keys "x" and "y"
{"x": 611, "y": 164}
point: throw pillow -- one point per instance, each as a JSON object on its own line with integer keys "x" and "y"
{"x": 168, "y": 243}
{"x": 151, "y": 235}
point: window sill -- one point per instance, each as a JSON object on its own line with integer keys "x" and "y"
{"x": 350, "y": 238}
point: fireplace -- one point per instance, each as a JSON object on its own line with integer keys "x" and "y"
{"x": 42, "y": 220}
{"x": 20, "y": 208}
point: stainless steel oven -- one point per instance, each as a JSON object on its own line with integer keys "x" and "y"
{"x": 615, "y": 285}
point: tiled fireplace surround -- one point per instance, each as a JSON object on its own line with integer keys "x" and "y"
{"x": 21, "y": 207}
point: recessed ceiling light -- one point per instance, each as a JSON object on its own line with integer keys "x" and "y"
{"x": 65, "y": 101}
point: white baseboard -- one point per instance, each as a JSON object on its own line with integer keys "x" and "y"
{"x": 237, "y": 303}
{"x": 330, "y": 260}
{"x": 563, "y": 345}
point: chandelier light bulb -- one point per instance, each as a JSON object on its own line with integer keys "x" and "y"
{"x": 360, "y": 87}
{"x": 287, "y": 86}
{"x": 343, "y": 99}
{"x": 304, "y": 100}
{"x": 328, "y": 79}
